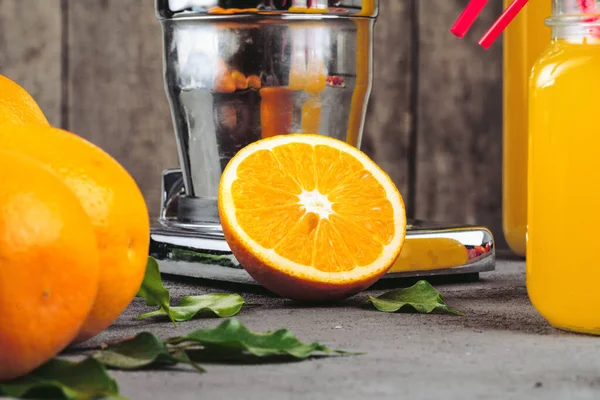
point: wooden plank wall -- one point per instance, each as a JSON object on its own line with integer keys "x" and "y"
{"x": 434, "y": 120}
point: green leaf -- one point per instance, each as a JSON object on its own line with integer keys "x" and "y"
{"x": 421, "y": 297}
{"x": 142, "y": 351}
{"x": 220, "y": 304}
{"x": 153, "y": 290}
{"x": 232, "y": 336}
{"x": 60, "y": 378}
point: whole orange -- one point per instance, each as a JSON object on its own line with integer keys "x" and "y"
{"x": 17, "y": 106}
{"x": 114, "y": 204}
{"x": 49, "y": 265}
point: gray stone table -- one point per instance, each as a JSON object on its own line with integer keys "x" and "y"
{"x": 502, "y": 350}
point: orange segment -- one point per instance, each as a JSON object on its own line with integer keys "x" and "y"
{"x": 327, "y": 246}
{"x": 310, "y": 217}
{"x": 298, "y": 244}
{"x": 253, "y": 195}
{"x": 375, "y": 217}
{"x": 278, "y": 221}
{"x": 302, "y": 173}
{"x": 264, "y": 168}
{"x": 367, "y": 189}
{"x": 363, "y": 248}
{"x": 333, "y": 168}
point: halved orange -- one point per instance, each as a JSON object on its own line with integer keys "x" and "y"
{"x": 310, "y": 217}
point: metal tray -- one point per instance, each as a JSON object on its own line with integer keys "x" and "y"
{"x": 430, "y": 250}
{"x": 200, "y": 251}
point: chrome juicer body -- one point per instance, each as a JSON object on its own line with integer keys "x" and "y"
{"x": 237, "y": 71}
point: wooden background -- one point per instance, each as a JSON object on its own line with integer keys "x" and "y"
{"x": 434, "y": 120}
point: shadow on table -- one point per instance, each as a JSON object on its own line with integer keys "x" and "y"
{"x": 498, "y": 309}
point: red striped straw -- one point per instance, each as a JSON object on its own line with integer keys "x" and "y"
{"x": 587, "y": 6}
{"x": 501, "y": 23}
{"x": 474, "y": 8}
{"x": 468, "y": 16}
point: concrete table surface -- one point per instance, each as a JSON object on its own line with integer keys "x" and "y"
{"x": 502, "y": 350}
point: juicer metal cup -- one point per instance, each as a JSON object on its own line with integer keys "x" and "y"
{"x": 237, "y": 71}
{"x": 263, "y": 68}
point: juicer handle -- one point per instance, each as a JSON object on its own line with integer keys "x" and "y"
{"x": 172, "y": 188}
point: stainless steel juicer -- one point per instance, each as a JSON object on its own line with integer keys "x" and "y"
{"x": 237, "y": 71}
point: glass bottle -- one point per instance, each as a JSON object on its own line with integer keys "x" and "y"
{"x": 524, "y": 40}
{"x": 563, "y": 272}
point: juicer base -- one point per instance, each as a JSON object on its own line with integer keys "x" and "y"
{"x": 187, "y": 247}
{"x": 430, "y": 250}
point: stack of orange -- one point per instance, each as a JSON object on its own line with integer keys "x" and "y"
{"x": 74, "y": 236}
{"x": 308, "y": 216}
{"x": 227, "y": 81}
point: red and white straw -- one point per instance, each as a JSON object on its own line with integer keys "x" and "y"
{"x": 474, "y": 8}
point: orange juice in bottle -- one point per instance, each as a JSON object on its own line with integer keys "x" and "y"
{"x": 563, "y": 272}
{"x": 524, "y": 40}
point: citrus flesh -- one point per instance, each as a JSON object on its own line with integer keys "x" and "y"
{"x": 310, "y": 217}
{"x": 49, "y": 265}
{"x": 114, "y": 204}
{"x": 17, "y": 106}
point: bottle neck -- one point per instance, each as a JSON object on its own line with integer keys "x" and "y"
{"x": 570, "y": 21}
